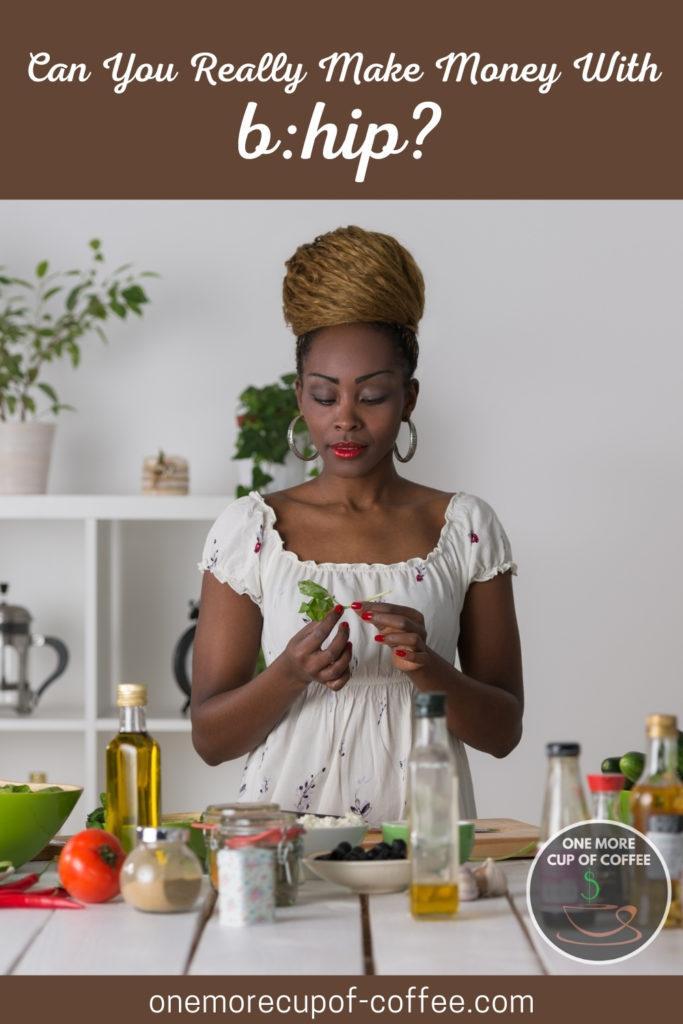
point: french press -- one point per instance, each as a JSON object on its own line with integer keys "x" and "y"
{"x": 15, "y": 640}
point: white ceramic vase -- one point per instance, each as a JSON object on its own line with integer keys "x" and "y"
{"x": 287, "y": 474}
{"x": 25, "y": 450}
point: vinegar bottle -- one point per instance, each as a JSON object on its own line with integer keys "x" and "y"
{"x": 564, "y": 802}
{"x": 133, "y": 767}
{"x": 433, "y": 812}
{"x": 657, "y": 804}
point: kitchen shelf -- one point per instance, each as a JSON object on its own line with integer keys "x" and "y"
{"x": 154, "y": 725}
{"x": 102, "y": 534}
{"x": 109, "y": 507}
{"x": 34, "y": 723}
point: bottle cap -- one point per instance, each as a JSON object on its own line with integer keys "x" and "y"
{"x": 131, "y": 695}
{"x": 661, "y": 725}
{"x": 563, "y": 749}
{"x": 607, "y": 783}
{"x": 149, "y": 834}
{"x": 430, "y": 705}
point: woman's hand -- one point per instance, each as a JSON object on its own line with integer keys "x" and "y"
{"x": 306, "y": 659}
{"x": 401, "y": 629}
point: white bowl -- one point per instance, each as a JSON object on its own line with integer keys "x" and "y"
{"x": 320, "y": 840}
{"x": 368, "y": 877}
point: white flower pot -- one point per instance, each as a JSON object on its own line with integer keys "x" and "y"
{"x": 25, "y": 450}
{"x": 287, "y": 474}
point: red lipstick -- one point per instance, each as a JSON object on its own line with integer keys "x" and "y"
{"x": 347, "y": 450}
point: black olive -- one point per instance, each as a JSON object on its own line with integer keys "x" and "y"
{"x": 344, "y": 847}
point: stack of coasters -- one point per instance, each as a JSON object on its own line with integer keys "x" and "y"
{"x": 246, "y": 885}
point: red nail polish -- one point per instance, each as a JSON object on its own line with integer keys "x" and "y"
{"x": 367, "y": 616}
{"x": 401, "y": 654}
{"x": 344, "y": 625}
{"x": 356, "y": 605}
{"x": 379, "y": 638}
{"x": 339, "y": 608}
{"x": 349, "y": 644}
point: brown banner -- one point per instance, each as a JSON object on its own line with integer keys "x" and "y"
{"x": 567, "y": 100}
{"x": 562, "y": 1000}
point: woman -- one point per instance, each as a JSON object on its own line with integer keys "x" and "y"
{"x": 417, "y": 573}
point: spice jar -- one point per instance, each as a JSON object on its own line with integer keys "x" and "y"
{"x": 211, "y": 819}
{"x": 161, "y": 874}
{"x": 271, "y": 830}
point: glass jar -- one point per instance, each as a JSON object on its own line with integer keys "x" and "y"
{"x": 211, "y": 818}
{"x": 564, "y": 802}
{"x": 605, "y": 790}
{"x": 274, "y": 830}
{"x": 161, "y": 874}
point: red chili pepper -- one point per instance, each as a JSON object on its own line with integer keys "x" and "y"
{"x": 20, "y": 883}
{"x": 45, "y": 900}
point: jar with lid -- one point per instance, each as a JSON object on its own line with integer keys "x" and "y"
{"x": 161, "y": 874}
{"x": 211, "y": 819}
{"x": 564, "y": 802}
{"x": 277, "y": 830}
{"x": 605, "y": 790}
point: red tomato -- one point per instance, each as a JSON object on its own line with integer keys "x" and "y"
{"x": 90, "y": 864}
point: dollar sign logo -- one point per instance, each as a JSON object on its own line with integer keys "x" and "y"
{"x": 592, "y": 895}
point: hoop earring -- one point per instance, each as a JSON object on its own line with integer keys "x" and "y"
{"x": 292, "y": 445}
{"x": 412, "y": 445}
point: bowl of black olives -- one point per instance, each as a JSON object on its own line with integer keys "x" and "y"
{"x": 381, "y": 868}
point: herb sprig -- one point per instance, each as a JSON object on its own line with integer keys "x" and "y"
{"x": 322, "y": 602}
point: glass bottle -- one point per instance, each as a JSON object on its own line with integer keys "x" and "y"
{"x": 605, "y": 790}
{"x": 657, "y": 803}
{"x": 133, "y": 769}
{"x": 161, "y": 875}
{"x": 564, "y": 802}
{"x": 432, "y": 812}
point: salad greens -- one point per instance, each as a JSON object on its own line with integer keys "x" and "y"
{"x": 23, "y": 787}
{"x": 321, "y": 601}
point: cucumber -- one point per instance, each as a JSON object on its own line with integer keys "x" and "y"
{"x": 610, "y": 766}
{"x": 631, "y": 765}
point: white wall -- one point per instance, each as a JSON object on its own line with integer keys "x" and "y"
{"x": 550, "y": 371}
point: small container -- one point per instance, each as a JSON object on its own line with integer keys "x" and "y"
{"x": 277, "y": 831}
{"x": 211, "y": 819}
{"x": 246, "y": 885}
{"x": 162, "y": 874}
{"x": 605, "y": 790}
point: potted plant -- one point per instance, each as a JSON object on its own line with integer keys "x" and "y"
{"x": 263, "y": 418}
{"x": 43, "y": 320}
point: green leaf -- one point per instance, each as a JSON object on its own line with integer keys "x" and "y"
{"x": 41, "y": 269}
{"x": 50, "y": 292}
{"x": 312, "y": 589}
{"x": 28, "y": 403}
{"x": 118, "y": 308}
{"x": 11, "y": 403}
{"x": 72, "y": 297}
{"x": 134, "y": 295}
{"x": 95, "y": 244}
{"x": 49, "y": 391}
{"x": 96, "y": 307}
{"x": 74, "y": 352}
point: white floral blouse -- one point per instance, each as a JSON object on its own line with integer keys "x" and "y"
{"x": 334, "y": 752}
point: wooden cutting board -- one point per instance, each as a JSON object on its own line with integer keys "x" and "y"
{"x": 510, "y": 837}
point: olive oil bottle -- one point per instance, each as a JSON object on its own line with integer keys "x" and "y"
{"x": 133, "y": 765}
{"x": 432, "y": 812}
{"x": 657, "y": 804}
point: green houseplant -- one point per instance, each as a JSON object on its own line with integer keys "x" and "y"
{"x": 43, "y": 320}
{"x": 263, "y": 418}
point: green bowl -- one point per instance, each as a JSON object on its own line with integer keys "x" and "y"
{"x": 399, "y": 830}
{"x": 28, "y": 821}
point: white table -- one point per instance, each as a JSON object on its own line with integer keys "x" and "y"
{"x": 322, "y": 934}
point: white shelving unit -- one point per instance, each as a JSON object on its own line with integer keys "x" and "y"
{"x": 100, "y": 517}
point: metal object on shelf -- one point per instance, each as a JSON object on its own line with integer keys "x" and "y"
{"x": 180, "y": 653}
{"x": 15, "y": 641}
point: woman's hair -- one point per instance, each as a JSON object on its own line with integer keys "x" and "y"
{"x": 354, "y": 276}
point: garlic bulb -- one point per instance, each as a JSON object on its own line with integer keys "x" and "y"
{"x": 490, "y": 878}
{"x": 467, "y": 884}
